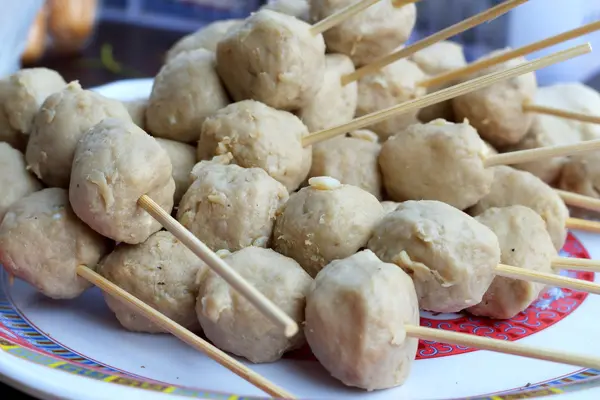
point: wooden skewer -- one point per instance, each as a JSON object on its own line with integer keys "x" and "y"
{"x": 577, "y": 264}
{"x": 402, "y": 3}
{"x": 583, "y": 225}
{"x": 340, "y": 16}
{"x": 455, "y": 29}
{"x": 561, "y": 113}
{"x": 510, "y": 55}
{"x": 579, "y": 200}
{"x": 501, "y": 346}
{"x": 182, "y": 333}
{"x": 235, "y": 280}
{"x": 445, "y": 94}
{"x": 523, "y": 274}
{"x": 522, "y": 156}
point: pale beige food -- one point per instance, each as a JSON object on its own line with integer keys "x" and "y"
{"x": 115, "y": 164}
{"x": 370, "y": 34}
{"x": 295, "y": 8}
{"x": 450, "y": 255}
{"x": 440, "y": 161}
{"x": 137, "y": 111}
{"x": 60, "y": 123}
{"x": 15, "y": 181}
{"x": 236, "y": 326}
{"x": 351, "y": 159}
{"x": 390, "y": 86}
{"x": 206, "y": 37}
{"x": 514, "y": 187}
{"x": 437, "y": 59}
{"x": 325, "y": 221}
{"x": 272, "y": 58}
{"x": 24, "y": 92}
{"x": 258, "y": 136}
{"x": 183, "y": 159}
{"x": 356, "y": 312}
{"x": 389, "y": 206}
{"x": 497, "y": 110}
{"x": 186, "y": 90}
{"x": 524, "y": 243}
{"x": 333, "y": 104}
{"x": 162, "y": 273}
{"x": 8, "y": 134}
{"x": 581, "y": 174}
{"x": 230, "y": 207}
{"x": 42, "y": 242}
{"x": 548, "y": 131}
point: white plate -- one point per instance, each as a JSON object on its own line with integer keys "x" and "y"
{"x": 76, "y": 349}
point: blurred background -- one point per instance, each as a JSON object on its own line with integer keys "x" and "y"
{"x": 98, "y": 41}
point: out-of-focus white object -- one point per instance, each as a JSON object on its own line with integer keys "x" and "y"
{"x": 539, "y": 19}
{"x": 16, "y": 18}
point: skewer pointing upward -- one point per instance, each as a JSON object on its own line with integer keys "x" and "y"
{"x": 235, "y": 280}
{"x": 509, "y": 55}
{"x": 340, "y": 16}
{"x": 446, "y": 94}
{"x": 561, "y": 113}
{"x": 455, "y": 29}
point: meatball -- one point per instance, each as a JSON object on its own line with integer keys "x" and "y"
{"x": 525, "y": 243}
{"x": 205, "y": 38}
{"x": 162, "y": 273}
{"x": 115, "y": 164}
{"x": 333, "y": 104}
{"x": 186, "y": 91}
{"x": 351, "y": 159}
{"x": 230, "y": 207}
{"x": 437, "y": 59}
{"x": 513, "y": 187}
{"x": 15, "y": 181}
{"x": 183, "y": 159}
{"x": 390, "y": 86}
{"x": 258, "y": 136}
{"x": 450, "y": 256}
{"x": 8, "y": 134}
{"x": 325, "y": 221}
{"x": 24, "y": 92}
{"x": 273, "y": 58}
{"x": 581, "y": 174}
{"x": 43, "y": 242}
{"x": 62, "y": 120}
{"x": 547, "y": 130}
{"x": 496, "y": 111}
{"x": 295, "y": 8}
{"x": 137, "y": 111}
{"x": 356, "y": 311}
{"x": 437, "y": 161}
{"x": 236, "y": 326}
{"x": 369, "y": 35}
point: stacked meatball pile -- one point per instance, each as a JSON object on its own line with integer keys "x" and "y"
{"x": 350, "y": 237}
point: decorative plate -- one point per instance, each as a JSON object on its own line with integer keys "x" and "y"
{"x": 77, "y": 350}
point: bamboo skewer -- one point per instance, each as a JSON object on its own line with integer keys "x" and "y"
{"x": 579, "y": 200}
{"x": 510, "y": 55}
{"x": 182, "y": 333}
{"x": 561, "y": 113}
{"x": 402, "y": 3}
{"x": 446, "y": 94}
{"x": 523, "y": 274}
{"x": 500, "y": 346}
{"x": 577, "y": 264}
{"x": 521, "y": 156}
{"x": 262, "y": 383}
{"x": 453, "y": 30}
{"x": 340, "y": 16}
{"x": 235, "y": 280}
{"x": 583, "y": 225}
